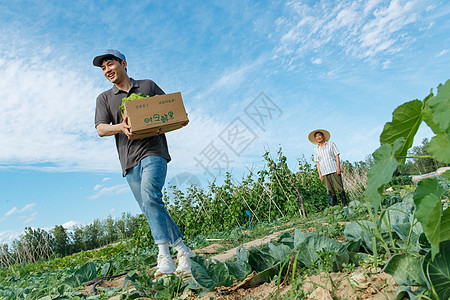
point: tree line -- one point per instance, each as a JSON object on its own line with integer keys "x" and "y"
{"x": 36, "y": 244}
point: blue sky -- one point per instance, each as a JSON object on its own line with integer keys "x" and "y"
{"x": 339, "y": 65}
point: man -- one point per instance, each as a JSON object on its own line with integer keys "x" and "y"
{"x": 326, "y": 156}
{"x": 143, "y": 161}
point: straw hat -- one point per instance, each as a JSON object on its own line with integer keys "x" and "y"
{"x": 326, "y": 135}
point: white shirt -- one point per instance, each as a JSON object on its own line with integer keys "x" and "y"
{"x": 326, "y": 158}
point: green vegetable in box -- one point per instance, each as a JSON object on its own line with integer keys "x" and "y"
{"x": 131, "y": 98}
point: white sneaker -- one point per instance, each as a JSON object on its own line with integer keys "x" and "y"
{"x": 184, "y": 263}
{"x": 165, "y": 265}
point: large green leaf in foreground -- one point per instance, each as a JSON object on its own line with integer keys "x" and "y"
{"x": 445, "y": 225}
{"x": 429, "y": 209}
{"x": 438, "y": 271}
{"x": 439, "y": 148}
{"x": 406, "y": 270}
{"x": 440, "y": 107}
{"x": 406, "y": 120}
{"x": 436, "y": 114}
{"x": 381, "y": 172}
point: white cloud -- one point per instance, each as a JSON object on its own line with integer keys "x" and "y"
{"x": 112, "y": 190}
{"x": 97, "y": 187}
{"x": 379, "y": 34}
{"x": 231, "y": 79}
{"x": 8, "y": 236}
{"x": 28, "y": 207}
{"x": 443, "y": 52}
{"x": 106, "y": 179}
{"x": 317, "y": 61}
{"x": 360, "y": 29}
{"x": 386, "y": 64}
{"x": 71, "y": 224}
{"x": 13, "y": 211}
{"x": 48, "y": 121}
{"x": 28, "y": 219}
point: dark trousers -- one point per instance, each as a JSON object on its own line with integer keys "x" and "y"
{"x": 333, "y": 184}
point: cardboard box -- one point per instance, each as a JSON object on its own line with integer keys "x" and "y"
{"x": 155, "y": 115}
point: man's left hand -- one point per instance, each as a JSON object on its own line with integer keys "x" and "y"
{"x": 338, "y": 171}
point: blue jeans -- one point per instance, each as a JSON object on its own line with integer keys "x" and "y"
{"x": 146, "y": 181}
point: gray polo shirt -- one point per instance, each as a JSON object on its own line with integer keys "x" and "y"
{"x": 107, "y": 112}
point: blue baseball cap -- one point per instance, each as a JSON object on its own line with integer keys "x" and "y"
{"x": 108, "y": 53}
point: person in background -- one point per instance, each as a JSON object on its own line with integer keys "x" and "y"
{"x": 326, "y": 156}
{"x": 144, "y": 161}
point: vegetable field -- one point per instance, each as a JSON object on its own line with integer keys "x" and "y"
{"x": 385, "y": 245}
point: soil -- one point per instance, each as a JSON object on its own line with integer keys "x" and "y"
{"x": 359, "y": 284}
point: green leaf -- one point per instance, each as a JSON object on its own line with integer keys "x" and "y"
{"x": 438, "y": 271}
{"x": 353, "y": 246}
{"x": 407, "y": 293}
{"x": 427, "y": 115}
{"x": 239, "y": 269}
{"x": 360, "y": 231}
{"x": 406, "y": 235}
{"x": 280, "y": 252}
{"x": 445, "y": 226}
{"x": 423, "y": 243}
{"x": 312, "y": 245}
{"x": 263, "y": 276}
{"x": 106, "y": 268}
{"x": 406, "y": 120}
{"x": 260, "y": 260}
{"x": 287, "y": 239}
{"x": 241, "y": 254}
{"x": 357, "y": 257}
{"x": 381, "y": 172}
{"x": 87, "y": 272}
{"x": 397, "y": 214}
{"x": 300, "y": 237}
{"x": 440, "y": 107}
{"x": 406, "y": 270}
{"x": 435, "y": 113}
{"x": 439, "y": 148}
{"x": 132, "y": 97}
{"x": 429, "y": 209}
{"x": 210, "y": 274}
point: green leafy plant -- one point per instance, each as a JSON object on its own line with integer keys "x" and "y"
{"x": 132, "y": 97}
{"x": 397, "y": 138}
{"x": 431, "y": 276}
{"x": 399, "y": 228}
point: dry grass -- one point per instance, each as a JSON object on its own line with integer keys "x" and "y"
{"x": 355, "y": 180}
{"x": 26, "y": 252}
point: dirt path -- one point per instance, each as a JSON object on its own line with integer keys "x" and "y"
{"x": 222, "y": 257}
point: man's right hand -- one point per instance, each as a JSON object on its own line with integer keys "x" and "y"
{"x": 321, "y": 177}
{"x": 108, "y": 129}
{"x": 126, "y": 128}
